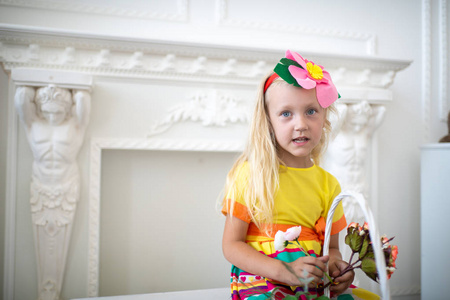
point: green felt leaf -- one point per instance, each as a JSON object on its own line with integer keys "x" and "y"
{"x": 289, "y": 62}
{"x": 283, "y": 72}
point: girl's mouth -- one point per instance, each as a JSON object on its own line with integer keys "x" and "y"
{"x": 300, "y": 140}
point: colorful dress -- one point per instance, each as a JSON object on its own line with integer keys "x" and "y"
{"x": 303, "y": 198}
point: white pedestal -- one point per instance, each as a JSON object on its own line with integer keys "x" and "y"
{"x": 435, "y": 216}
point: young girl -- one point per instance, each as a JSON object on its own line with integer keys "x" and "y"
{"x": 277, "y": 184}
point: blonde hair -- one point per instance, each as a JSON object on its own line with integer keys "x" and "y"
{"x": 261, "y": 155}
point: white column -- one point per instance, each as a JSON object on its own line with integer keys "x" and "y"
{"x": 55, "y": 115}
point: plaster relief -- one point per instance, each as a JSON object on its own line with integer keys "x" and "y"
{"x": 55, "y": 120}
{"x": 211, "y": 109}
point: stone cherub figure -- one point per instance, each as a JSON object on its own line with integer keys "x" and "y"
{"x": 55, "y": 120}
{"x": 446, "y": 139}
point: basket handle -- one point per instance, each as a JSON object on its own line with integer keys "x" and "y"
{"x": 374, "y": 237}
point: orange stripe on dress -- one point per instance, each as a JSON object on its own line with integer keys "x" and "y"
{"x": 239, "y": 210}
{"x": 307, "y": 234}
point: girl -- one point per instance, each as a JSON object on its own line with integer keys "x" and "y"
{"x": 277, "y": 184}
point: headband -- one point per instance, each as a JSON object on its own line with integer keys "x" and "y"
{"x": 300, "y": 72}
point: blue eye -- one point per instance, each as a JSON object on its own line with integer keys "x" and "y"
{"x": 311, "y": 111}
{"x": 286, "y": 114}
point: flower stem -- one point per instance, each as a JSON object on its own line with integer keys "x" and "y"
{"x": 351, "y": 258}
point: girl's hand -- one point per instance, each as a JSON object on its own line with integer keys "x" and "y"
{"x": 314, "y": 266}
{"x": 344, "y": 281}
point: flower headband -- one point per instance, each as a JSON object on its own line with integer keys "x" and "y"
{"x": 300, "y": 72}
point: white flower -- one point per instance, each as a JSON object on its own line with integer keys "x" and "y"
{"x": 280, "y": 241}
{"x": 293, "y": 233}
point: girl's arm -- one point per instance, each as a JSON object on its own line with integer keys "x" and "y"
{"x": 243, "y": 256}
{"x": 337, "y": 265}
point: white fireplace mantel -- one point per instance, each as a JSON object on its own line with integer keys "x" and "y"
{"x": 356, "y": 77}
{"x": 363, "y": 83}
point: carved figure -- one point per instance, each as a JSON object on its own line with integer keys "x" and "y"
{"x": 347, "y": 154}
{"x": 55, "y": 122}
{"x": 446, "y": 139}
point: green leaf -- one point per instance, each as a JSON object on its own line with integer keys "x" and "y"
{"x": 289, "y": 62}
{"x": 355, "y": 242}
{"x": 347, "y": 239}
{"x": 290, "y": 297}
{"x": 369, "y": 267}
{"x": 283, "y": 72}
{"x": 364, "y": 247}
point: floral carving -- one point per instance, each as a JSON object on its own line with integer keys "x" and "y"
{"x": 211, "y": 110}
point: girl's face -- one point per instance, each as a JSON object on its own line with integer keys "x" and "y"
{"x": 297, "y": 120}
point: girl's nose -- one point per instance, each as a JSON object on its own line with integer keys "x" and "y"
{"x": 300, "y": 124}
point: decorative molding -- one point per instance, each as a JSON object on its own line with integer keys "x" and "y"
{"x": 40, "y": 77}
{"x": 105, "y": 8}
{"x": 97, "y": 145}
{"x": 147, "y": 59}
{"x": 426, "y": 68}
{"x": 443, "y": 63}
{"x": 212, "y": 109}
{"x": 223, "y": 19}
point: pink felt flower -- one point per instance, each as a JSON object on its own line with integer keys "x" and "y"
{"x": 313, "y": 76}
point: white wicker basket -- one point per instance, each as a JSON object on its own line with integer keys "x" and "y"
{"x": 374, "y": 236}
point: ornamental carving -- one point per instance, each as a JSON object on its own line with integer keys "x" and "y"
{"x": 55, "y": 120}
{"x": 213, "y": 109}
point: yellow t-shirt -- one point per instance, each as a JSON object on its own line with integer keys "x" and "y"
{"x": 304, "y": 196}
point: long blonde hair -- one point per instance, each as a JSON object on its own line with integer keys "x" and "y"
{"x": 263, "y": 161}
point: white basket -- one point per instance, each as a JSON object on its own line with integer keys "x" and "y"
{"x": 374, "y": 237}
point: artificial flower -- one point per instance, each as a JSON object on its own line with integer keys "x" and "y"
{"x": 358, "y": 238}
{"x": 293, "y": 233}
{"x": 280, "y": 241}
{"x": 310, "y": 75}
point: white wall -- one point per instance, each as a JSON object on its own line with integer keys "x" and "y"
{"x": 388, "y": 29}
{"x": 3, "y": 147}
